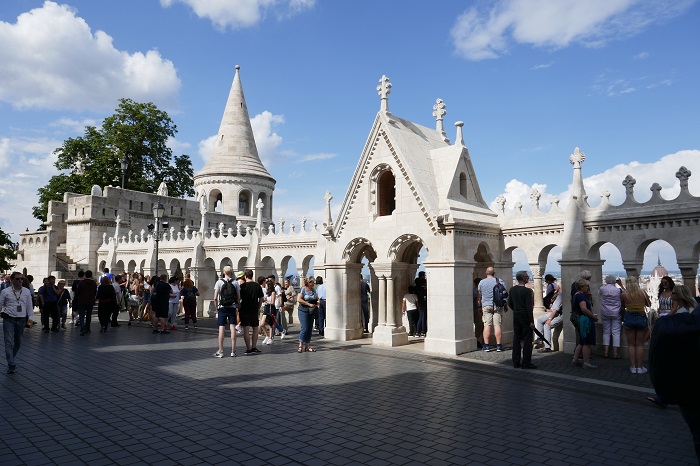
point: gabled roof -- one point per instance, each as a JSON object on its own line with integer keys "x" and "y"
{"x": 235, "y": 152}
{"x": 428, "y": 164}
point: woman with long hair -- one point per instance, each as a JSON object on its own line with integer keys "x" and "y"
{"x": 665, "y": 301}
{"x": 267, "y": 323}
{"x": 308, "y": 301}
{"x": 106, "y": 302}
{"x": 683, "y": 301}
{"x": 586, "y": 328}
{"x": 635, "y": 323}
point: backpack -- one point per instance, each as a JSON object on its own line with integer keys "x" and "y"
{"x": 500, "y": 294}
{"x": 227, "y": 295}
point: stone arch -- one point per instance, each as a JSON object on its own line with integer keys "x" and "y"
{"x": 119, "y": 267}
{"x": 544, "y": 253}
{"x": 405, "y": 248}
{"x": 131, "y": 267}
{"x": 382, "y": 190}
{"x": 216, "y": 201}
{"x": 45, "y": 241}
{"x": 356, "y": 248}
{"x": 31, "y": 242}
{"x": 223, "y": 263}
{"x": 174, "y": 268}
{"x": 306, "y": 264}
{"x": 284, "y": 264}
{"x": 267, "y": 266}
{"x": 142, "y": 266}
{"x": 245, "y": 204}
{"x": 102, "y": 265}
{"x": 242, "y": 264}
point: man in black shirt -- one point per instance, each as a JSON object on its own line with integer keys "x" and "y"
{"x": 159, "y": 301}
{"x": 520, "y": 300}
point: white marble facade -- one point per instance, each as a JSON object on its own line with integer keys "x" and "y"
{"x": 412, "y": 188}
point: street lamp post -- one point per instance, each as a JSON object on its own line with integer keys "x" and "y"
{"x": 125, "y": 164}
{"x": 158, "y": 213}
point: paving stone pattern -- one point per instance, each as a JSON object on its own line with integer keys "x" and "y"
{"x": 131, "y": 397}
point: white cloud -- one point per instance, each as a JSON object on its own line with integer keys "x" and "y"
{"x": 480, "y": 34}
{"x": 73, "y": 125}
{"x": 641, "y": 56}
{"x": 51, "y": 59}
{"x": 542, "y": 66}
{"x": 663, "y": 172}
{"x": 320, "y": 156}
{"x": 26, "y": 165}
{"x": 238, "y": 14}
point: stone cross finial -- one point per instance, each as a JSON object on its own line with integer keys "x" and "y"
{"x": 535, "y": 198}
{"x": 162, "y": 189}
{"x": 629, "y": 183}
{"x": 259, "y": 205}
{"x": 238, "y": 228}
{"x": 459, "y": 139}
{"x": 519, "y": 207}
{"x": 384, "y": 91}
{"x": 683, "y": 174}
{"x": 655, "y": 189}
{"x": 439, "y": 112}
{"x": 577, "y": 158}
{"x": 501, "y": 202}
{"x": 302, "y": 223}
{"x": 555, "y": 201}
{"x": 329, "y": 215}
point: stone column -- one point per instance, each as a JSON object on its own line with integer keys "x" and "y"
{"x": 504, "y": 271}
{"x": 203, "y": 276}
{"x": 537, "y": 269}
{"x": 382, "y": 300}
{"x": 689, "y": 271}
{"x": 632, "y": 267}
{"x": 390, "y": 299}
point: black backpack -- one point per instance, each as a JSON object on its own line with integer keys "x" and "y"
{"x": 227, "y": 295}
{"x": 500, "y": 294}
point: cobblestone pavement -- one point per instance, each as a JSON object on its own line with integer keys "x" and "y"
{"x": 131, "y": 397}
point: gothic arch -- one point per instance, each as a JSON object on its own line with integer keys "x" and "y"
{"x": 245, "y": 202}
{"x": 382, "y": 183}
{"x": 463, "y": 185}
{"x": 405, "y": 248}
{"x": 214, "y": 198}
{"x": 356, "y": 248}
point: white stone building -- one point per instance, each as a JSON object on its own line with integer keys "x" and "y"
{"x": 412, "y": 188}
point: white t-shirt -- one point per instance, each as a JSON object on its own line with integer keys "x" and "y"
{"x": 411, "y": 301}
{"x": 176, "y": 289}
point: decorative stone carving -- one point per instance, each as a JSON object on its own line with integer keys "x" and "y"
{"x": 629, "y": 183}
{"x": 238, "y": 228}
{"x": 683, "y": 174}
{"x": 95, "y": 190}
{"x": 519, "y": 207}
{"x": 577, "y": 158}
{"x": 78, "y": 168}
{"x": 535, "y": 198}
{"x": 302, "y": 224}
{"x": 459, "y": 139}
{"x": 384, "y": 89}
{"x": 501, "y": 203}
{"x": 438, "y": 113}
{"x": 162, "y": 189}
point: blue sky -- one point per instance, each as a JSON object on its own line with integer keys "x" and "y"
{"x": 531, "y": 79}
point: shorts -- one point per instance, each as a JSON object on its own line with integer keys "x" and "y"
{"x": 635, "y": 321}
{"x": 249, "y": 319}
{"x": 492, "y": 315}
{"x": 226, "y": 315}
{"x": 162, "y": 311}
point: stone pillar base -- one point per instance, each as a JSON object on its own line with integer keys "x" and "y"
{"x": 342, "y": 334}
{"x": 389, "y": 336}
{"x": 449, "y": 347}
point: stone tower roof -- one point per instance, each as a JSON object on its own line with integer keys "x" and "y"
{"x": 235, "y": 152}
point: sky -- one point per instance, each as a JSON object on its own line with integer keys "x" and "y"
{"x": 530, "y": 79}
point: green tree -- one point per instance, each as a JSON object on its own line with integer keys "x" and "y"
{"x": 8, "y": 254}
{"x": 138, "y": 132}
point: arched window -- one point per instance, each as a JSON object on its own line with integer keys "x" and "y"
{"x": 386, "y": 188}
{"x": 463, "y": 184}
{"x": 244, "y": 203}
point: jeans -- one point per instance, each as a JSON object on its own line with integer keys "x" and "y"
{"x": 306, "y": 321}
{"x": 84, "y": 316}
{"x": 365, "y": 315}
{"x": 546, "y": 330}
{"x": 522, "y": 337}
{"x": 412, "y": 315}
{"x": 13, "y": 328}
{"x": 611, "y": 326}
{"x": 172, "y": 313}
{"x": 321, "y": 316}
{"x": 190, "y": 311}
{"x": 422, "y": 325}
{"x": 63, "y": 312}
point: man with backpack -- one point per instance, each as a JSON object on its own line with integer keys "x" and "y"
{"x": 492, "y": 298}
{"x": 227, "y": 298}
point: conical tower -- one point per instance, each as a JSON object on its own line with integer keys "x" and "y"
{"x": 234, "y": 179}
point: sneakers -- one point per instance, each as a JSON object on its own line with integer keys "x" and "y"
{"x": 642, "y": 370}
{"x": 186, "y": 327}
{"x": 266, "y": 340}
{"x": 499, "y": 348}
{"x": 256, "y": 351}
{"x": 238, "y": 329}
{"x": 486, "y": 349}
{"x": 269, "y": 341}
{"x": 283, "y": 334}
{"x": 544, "y": 350}
{"x": 219, "y": 354}
{"x": 588, "y": 365}
{"x": 249, "y": 352}
{"x": 173, "y": 328}
{"x": 233, "y": 354}
{"x": 164, "y": 332}
{"x": 633, "y": 370}
{"x": 195, "y": 325}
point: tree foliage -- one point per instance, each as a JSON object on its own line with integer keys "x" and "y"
{"x": 8, "y": 254}
{"x": 137, "y": 131}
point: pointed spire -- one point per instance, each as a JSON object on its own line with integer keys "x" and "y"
{"x": 577, "y": 189}
{"x": 235, "y": 151}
